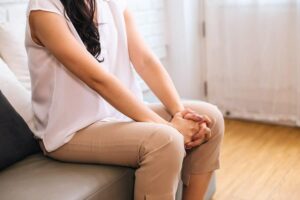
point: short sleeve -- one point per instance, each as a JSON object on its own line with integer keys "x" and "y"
{"x": 45, "y": 5}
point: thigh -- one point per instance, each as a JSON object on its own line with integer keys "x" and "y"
{"x": 116, "y": 143}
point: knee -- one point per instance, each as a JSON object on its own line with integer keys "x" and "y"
{"x": 173, "y": 139}
{"x": 167, "y": 145}
{"x": 175, "y": 147}
{"x": 173, "y": 153}
{"x": 218, "y": 124}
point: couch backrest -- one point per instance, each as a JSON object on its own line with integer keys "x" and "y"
{"x": 12, "y": 51}
{"x": 14, "y": 73}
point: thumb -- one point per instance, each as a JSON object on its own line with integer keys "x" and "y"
{"x": 186, "y": 111}
{"x": 194, "y": 117}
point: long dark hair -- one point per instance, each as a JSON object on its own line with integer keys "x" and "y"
{"x": 81, "y": 13}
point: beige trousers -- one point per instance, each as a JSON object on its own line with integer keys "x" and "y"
{"x": 155, "y": 150}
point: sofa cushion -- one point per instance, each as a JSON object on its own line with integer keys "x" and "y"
{"x": 13, "y": 52}
{"x": 16, "y": 139}
{"x": 17, "y": 95}
{"x": 38, "y": 177}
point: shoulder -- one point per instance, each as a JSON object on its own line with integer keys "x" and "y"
{"x": 54, "y": 6}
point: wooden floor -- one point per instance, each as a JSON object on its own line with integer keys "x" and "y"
{"x": 259, "y": 162}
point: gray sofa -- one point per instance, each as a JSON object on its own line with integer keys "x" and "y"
{"x": 40, "y": 178}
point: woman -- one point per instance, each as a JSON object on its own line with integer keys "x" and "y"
{"x": 88, "y": 105}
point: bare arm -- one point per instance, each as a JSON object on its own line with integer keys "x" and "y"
{"x": 150, "y": 68}
{"x": 152, "y": 71}
{"x": 56, "y": 37}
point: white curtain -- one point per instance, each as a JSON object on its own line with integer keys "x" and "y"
{"x": 253, "y": 58}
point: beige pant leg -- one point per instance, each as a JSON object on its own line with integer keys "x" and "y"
{"x": 156, "y": 150}
{"x": 204, "y": 158}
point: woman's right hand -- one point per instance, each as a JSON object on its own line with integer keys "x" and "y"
{"x": 186, "y": 127}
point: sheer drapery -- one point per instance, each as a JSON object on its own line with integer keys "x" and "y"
{"x": 253, "y": 58}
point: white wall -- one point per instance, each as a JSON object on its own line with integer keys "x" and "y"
{"x": 150, "y": 17}
{"x": 185, "y": 46}
{"x": 12, "y": 10}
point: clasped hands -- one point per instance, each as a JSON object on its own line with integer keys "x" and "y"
{"x": 194, "y": 127}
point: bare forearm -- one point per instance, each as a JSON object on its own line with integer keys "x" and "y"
{"x": 150, "y": 68}
{"x": 124, "y": 101}
{"x": 159, "y": 81}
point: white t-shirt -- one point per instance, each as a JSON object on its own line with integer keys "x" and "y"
{"x": 62, "y": 103}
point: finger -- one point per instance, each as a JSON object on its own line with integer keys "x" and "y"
{"x": 188, "y": 147}
{"x": 188, "y": 110}
{"x": 207, "y": 120}
{"x": 205, "y": 127}
{"x": 194, "y": 117}
{"x": 195, "y": 143}
{"x": 188, "y": 113}
{"x": 204, "y": 132}
{"x": 200, "y": 135}
{"x": 187, "y": 140}
{"x": 208, "y": 134}
{"x": 185, "y": 111}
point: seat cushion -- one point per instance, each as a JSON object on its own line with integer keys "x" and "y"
{"x": 38, "y": 177}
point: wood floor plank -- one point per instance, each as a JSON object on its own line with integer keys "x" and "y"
{"x": 259, "y": 162}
